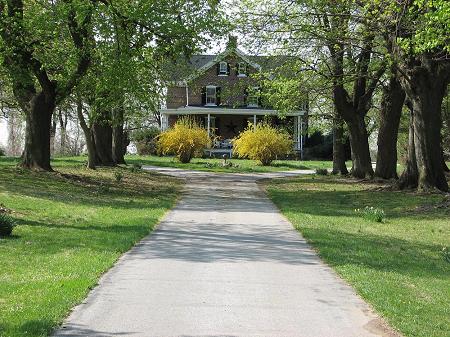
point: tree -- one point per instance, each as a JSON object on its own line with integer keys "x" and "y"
{"x": 45, "y": 49}
{"x": 335, "y": 40}
{"x": 418, "y": 31}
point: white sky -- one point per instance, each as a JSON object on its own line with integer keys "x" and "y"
{"x": 3, "y": 132}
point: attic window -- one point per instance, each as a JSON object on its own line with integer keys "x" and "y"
{"x": 242, "y": 69}
{"x": 223, "y": 68}
{"x": 253, "y": 97}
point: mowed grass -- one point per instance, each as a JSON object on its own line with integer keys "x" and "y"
{"x": 397, "y": 266}
{"x": 239, "y": 165}
{"x": 72, "y": 226}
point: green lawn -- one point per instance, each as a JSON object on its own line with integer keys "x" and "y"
{"x": 72, "y": 226}
{"x": 397, "y": 266}
{"x": 239, "y": 165}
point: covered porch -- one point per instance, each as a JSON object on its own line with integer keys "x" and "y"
{"x": 226, "y": 123}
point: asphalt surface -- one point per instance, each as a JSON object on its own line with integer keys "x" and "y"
{"x": 224, "y": 262}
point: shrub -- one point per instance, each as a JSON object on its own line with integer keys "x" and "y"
{"x": 145, "y": 140}
{"x": 118, "y": 176}
{"x": 137, "y": 167}
{"x": 322, "y": 171}
{"x": 185, "y": 140}
{"x": 6, "y": 224}
{"x": 372, "y": 214}
{"x": 264, "y": 143}
{"x": 2, "y": 151}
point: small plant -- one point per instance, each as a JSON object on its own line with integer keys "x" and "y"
{"x": 137, "y": 167}
{"x": 185, "y": 140}
{"x": 263, "y": 143}
{"x": 2, "y": 151}
{"x": 445, "y": 253}
{"x": 372, "y": 214}
{"x": 6, "y": 224}
{"x": 103, "y": 188}
{"x": 118, "y": 176}
{"x": 321, "y": 171}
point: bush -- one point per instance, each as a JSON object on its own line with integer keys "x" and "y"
{"x": 321, "y": 171}
{"x": 372, "y": 214}
{"x": 145, "y": 140}
{"x": 2, "y": 151}
{"x": 137, "y": 167}
{"x": 185, "y": 140}
{"x": 264, "y": 143}
{"x": 6, "y": 224}
{"x": 118, "y": 176}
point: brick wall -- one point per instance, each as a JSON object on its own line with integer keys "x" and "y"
{"x": 232, "y": 86}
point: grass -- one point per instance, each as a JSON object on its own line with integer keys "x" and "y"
{"x": 239, "y": 165}
{"x": 396, "y": 265}
{"x": 72, "y": 226}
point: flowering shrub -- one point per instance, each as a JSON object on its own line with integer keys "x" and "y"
{"x": 184, "y": 140}
{"x": 372, "y": 214}
{"x": 263, "y": 143}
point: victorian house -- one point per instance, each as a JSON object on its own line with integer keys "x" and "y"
{"x": 223, "y": 93}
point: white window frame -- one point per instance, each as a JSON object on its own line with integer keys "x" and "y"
{"x": 253, "y": 93}
{"x": 215, "y": 95}
{"x": 223, "y": 72}
{"x": 242, "y": 65}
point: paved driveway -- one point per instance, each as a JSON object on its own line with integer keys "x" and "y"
{"x": 224, "y": 262}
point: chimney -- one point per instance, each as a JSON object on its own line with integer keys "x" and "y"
{"x": 232, "y": 42}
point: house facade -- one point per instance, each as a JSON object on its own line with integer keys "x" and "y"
{"x": 223, "y": 93}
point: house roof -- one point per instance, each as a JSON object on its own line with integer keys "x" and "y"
{"x": 184, "y": 69}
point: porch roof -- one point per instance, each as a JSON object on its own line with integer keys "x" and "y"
{"x": 191, "y": 110}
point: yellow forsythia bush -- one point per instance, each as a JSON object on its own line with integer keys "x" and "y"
{"x": 184, "y": 140}
{"x": 263, "y": 143}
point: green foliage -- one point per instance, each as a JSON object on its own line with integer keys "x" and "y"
{"x": 263, "y": 143}
{"x": 145, "y": 140}
{"x": 372, "y": 214}
{"x": 2, "y": 151}
{"x": 136, "y": 167}
{"x": 7, "y": 224}
{"x": 185, "y": 140}
{"x": 445, "y": 252}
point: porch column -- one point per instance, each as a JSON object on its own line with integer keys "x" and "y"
{"x": 301, "y": 136}
{"x": 254, "y": 122}
{"x": 209, "y": 125}
{"x": 164, "y": 122}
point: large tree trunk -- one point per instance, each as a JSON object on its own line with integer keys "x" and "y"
{"x": 339, "y": 166}
{"x": 426, "y": 90}
{"x": 36, "y": 154}
{"x": 410, "y": 176}
{"x": 359, "y": 141}
{"x": 118, "y": 152}
{"x": 88, "y": 136}
{"x": 390, "y": 113}
{"x": 102, "y": 132}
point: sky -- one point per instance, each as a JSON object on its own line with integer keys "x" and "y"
{"x": 3, "y": 133}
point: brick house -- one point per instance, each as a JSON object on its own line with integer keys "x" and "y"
{"x": 222, "y": 92}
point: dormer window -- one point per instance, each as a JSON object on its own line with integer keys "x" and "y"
{"x": 223, "y": 69}
{"x": 242, "y": 69}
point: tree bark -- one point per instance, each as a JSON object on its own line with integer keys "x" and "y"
{"x": 390, "y": 113}
{"x": 425, "y": 88}
{"x": 36, "y": 154}
{"x": 118, "y": 151}
{"x": 90, "y": 143}
{"x": 102, "y": 132}
{"x": 410, "y": 176}
{"x": 359, "y": 140}
{"x": 339, "y": 166}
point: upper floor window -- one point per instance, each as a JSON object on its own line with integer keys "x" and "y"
{"x": 242, "y": 69}
{"x": 211, "y": 95}
{"x": 223, "y": 68}
{"x": 253, "y": 95}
